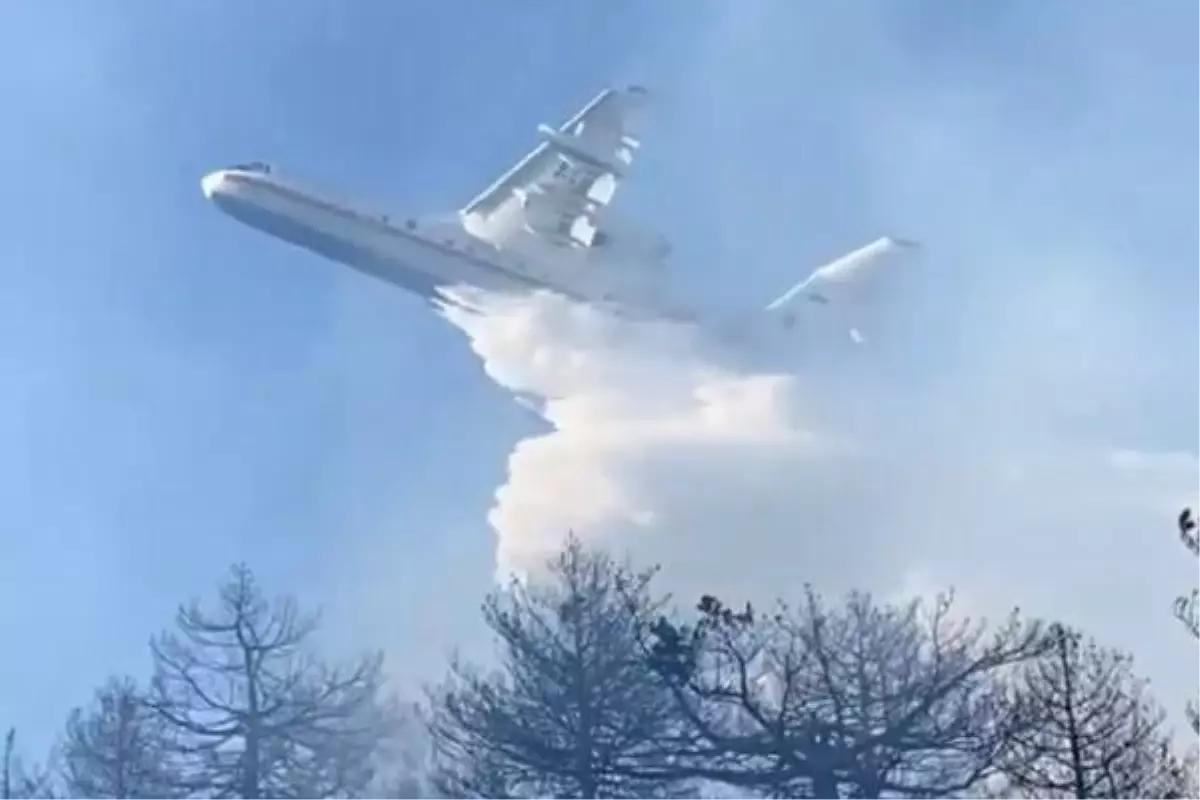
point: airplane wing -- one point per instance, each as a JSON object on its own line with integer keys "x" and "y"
{"x": 562, "y": 187}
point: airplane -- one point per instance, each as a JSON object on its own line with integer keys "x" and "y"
{"x": 545, "y": 224}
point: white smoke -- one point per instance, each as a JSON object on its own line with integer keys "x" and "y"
{"x": 726, "y": 475}
{"x": 642, "y": 417}
{"x": 740, "y": 474}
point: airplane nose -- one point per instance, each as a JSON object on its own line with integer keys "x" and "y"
{"x": 212, "y": 184}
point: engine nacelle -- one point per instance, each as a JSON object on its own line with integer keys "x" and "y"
{"x": 544, "y": 217}
{"x": 609, "y": 237}
{"x": 550, "y": 218}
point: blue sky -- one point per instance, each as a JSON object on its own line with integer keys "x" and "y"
{"x": 183, "y": 393}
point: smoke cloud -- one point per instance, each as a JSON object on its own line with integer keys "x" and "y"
{"x": 646, "y": 425}
{"x": 746, "y": 479}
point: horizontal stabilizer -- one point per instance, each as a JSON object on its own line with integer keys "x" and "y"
{"x": 836, "y": 283}
{"x": 826, "y": 281}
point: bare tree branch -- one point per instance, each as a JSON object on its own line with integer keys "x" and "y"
{"x": 572, "y": 711}
{"x": 1093, "y": 731}
{"x": 19, "y": 780}
{"x": 254, "y": 712}
{"x": 867, "y": 700}
{"x": 119, "y": 747}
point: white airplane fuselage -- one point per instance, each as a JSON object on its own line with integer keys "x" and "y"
{"x": 423, "y": 255}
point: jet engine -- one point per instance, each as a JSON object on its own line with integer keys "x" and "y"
{"x": 543, "y": 215}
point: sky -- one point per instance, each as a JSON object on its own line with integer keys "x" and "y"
{"x": 184, "y": 393}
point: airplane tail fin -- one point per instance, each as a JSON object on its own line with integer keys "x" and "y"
{"x": 835, "y": 284}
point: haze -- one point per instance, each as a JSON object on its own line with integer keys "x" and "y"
{"x": 184, "y": 394}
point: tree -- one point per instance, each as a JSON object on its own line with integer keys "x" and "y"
{"x": 254, "y": 712}
{"x": 863, "y": 700}
{"x": 1093, "y": 731}
{"x": 18, "y": 780}
{"x": 1187, "y": 608}
{"x": 119, "y": 747}
{"x": 1188, "y": 782}
{"x": 6, "y": 769}
{"x": 1187, "y": 611}
{"x": 573, "y": 710}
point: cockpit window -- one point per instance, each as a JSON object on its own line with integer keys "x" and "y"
{"x": 253, "y": 166}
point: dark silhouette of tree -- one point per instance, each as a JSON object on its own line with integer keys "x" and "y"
{"x": 119, "y": 747}
{"x": 1187, "y": 607}
{"x": 1093, "y": 730}
{"x": 1189, "y": 778}
{"x": 19, "y": 780}
{"x": 254, "y": 712}
{"x": 483, "y": 774}
{"x": 862, "y": 700}
{"x": 573, "y": 710}
{"x": 10, "y": 747}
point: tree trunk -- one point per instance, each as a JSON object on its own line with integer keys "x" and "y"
{"x": 250, "y": 759}
{"x": 825, "y": 784}
{"x": 6, "y": 788}
{"x": 1081, "y": 789}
